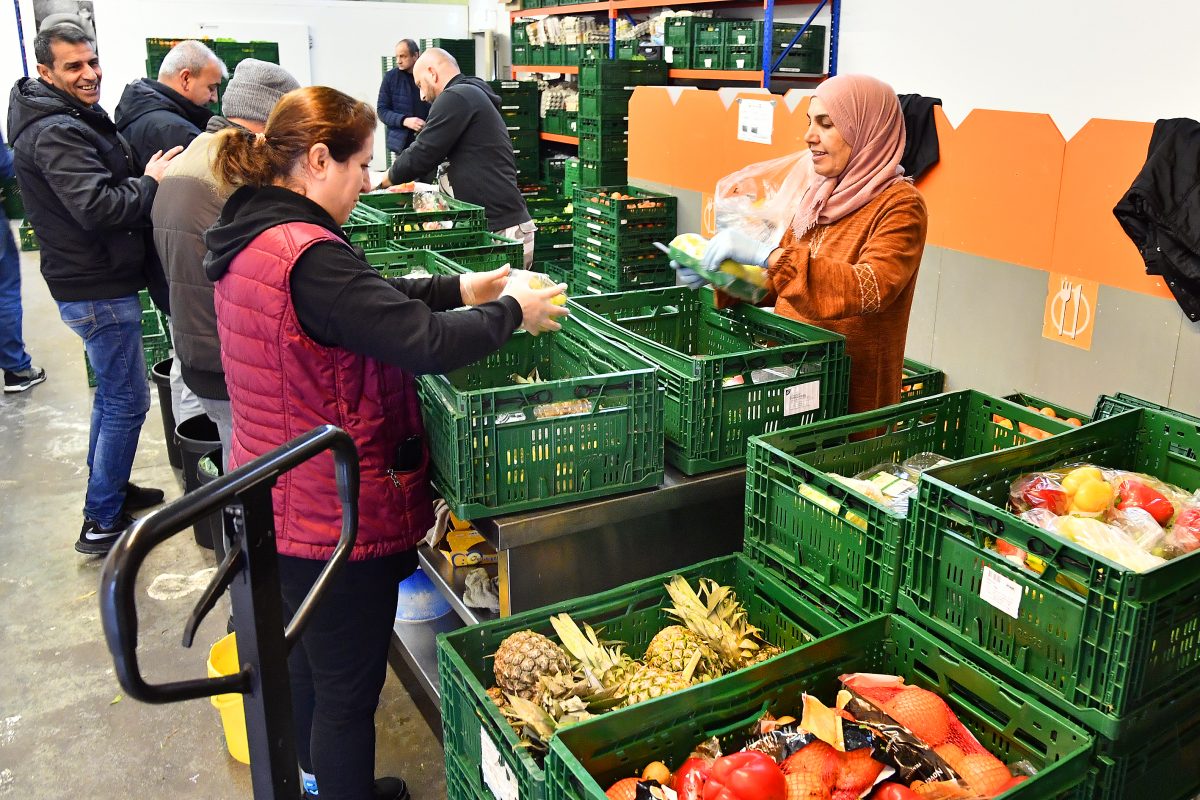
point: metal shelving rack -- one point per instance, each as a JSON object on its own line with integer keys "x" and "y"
{"x": 763, "y": 78}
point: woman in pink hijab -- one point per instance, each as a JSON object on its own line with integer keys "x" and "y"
{"x": 849, "y": 261}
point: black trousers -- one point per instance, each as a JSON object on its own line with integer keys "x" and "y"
{"x": 338, "y": 668}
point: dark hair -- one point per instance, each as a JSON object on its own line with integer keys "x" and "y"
{"x": 411, "y": 46}
{"x": 63, "y": 32}
{"x": 302, "y": 118}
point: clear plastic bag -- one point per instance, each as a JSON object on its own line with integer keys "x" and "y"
{"x": 760, "y": 200}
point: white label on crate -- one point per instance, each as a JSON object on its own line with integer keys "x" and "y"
{"x": 1001, "y": 592}
{"x": 669, "y": 54}
{"x": 596, "y": 242}
{"x": 593, "y": 256}
{"x": 594, "y": 226}
{"x": 496, "y": 775}
{"x": 801, "y": 398}
{"x": 561, "y": 246}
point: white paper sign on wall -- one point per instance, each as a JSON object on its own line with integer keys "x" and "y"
{"x": 756, "y": 120}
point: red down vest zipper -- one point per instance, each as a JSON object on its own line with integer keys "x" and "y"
{"x": 282, "y": 384}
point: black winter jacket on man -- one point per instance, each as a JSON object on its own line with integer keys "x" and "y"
{"x": 152, "y": 116}
{"x": 1161, "y": 210}
{"x": 465, "y": 127}
{"x": 82, "y": 194}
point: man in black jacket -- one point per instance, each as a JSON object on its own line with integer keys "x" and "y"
{"x": 465, "y": 127}
{"x": 83, "y": 195}
{"x": 173, "y": 110}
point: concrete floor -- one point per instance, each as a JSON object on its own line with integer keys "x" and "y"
{"x": 66, "y": 728}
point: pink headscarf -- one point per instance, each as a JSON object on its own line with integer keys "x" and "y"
{"x": 866, "y": 112}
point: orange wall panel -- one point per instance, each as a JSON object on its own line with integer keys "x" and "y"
{"x": 692, "y": 143}
{"x": 1101, "y": 162}
{"x": 995, "y": 193}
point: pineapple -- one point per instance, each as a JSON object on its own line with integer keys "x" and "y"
{"x": 650, "y": 682}
{"x": 763, "y": 653}
{"x": 608, "y": 667}
{"x": 674, "y": 646}
{"x": 523, "y": 658}
{"x": 719, "y": 619}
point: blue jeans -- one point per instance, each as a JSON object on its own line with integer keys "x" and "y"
{"x": 112, "y": 336}
{"x": 13, "y": 357}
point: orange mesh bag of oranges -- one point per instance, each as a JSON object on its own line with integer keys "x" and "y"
{"x": 942, "y": 758}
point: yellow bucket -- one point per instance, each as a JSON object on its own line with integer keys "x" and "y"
{"x": 223, "y": 660}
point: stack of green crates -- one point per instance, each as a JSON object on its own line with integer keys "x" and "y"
{"x": 463, "y": 51}
{"x": 229, "y": 51}
{"x": 604, "y": 90}
{"x": 1110, "y": 647}
{"x": 561, "y": 122}
{"x": 156, "y": 338}
{"x": 519, "y": 108}
{"x": 920, "y": 380}
{"x": 736, "y": 44}
{"x": 615, "y": 236}
{"x": 554, "y": 240}
{"x": 408, "y": 227}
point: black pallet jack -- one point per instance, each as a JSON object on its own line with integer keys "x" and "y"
{"x": 250, "y": 572}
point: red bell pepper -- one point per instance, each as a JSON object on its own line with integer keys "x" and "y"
{"x": 746, "y": 776}
{"x": 688, "y": 781}
{"x": 1041, "y": 491}
{"x": 1135, "y": 494}
{"x": 894, "y": 791}
{"x": 1184, "y": 536}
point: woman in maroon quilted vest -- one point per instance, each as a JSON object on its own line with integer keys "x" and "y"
{"x": 310, "y": 335}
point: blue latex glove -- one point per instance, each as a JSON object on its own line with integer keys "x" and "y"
{"x": 736, "y": 246}
{"x": 688, "y": 277}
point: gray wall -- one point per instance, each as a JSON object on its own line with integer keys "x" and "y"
{"x": 980, "y": 321}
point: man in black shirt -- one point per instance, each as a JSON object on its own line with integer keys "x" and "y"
{"x": 465, "y": 127}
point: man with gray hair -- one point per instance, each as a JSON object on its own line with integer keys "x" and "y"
{"x": 159, "y": 114}
{"x": 188, "y": 201}
{"x": 400, "y": 107}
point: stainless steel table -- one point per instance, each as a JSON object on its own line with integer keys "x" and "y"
{"x": 569, "y": 551}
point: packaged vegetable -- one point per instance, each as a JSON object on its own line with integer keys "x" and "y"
{"x": 923, "y": 462}
{"x": 1184, "y": 536}
{"x": 743, "y": 281}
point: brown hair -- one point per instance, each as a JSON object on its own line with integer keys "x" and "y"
{"x": 301, "y": 119}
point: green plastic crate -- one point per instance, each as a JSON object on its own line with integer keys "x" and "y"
{"x": 643, "y": 259}
{"x": 920, "y": 380}
{"x": 603, "y": 172}
{"x": 572, "y": 54}
{"x": 550, "y": 205}
{"x": 615, "y": 216}
{"x": 554, "y": 238}
{"x": 419, "y": 263}
{"x": 555, "y": 121}
{"x": 631, "y": 242}
{"x": 1026, "y": 399}
{"x": 410, "y": 227}
{"x": 591, "y": 280}
{"x": 603, "y": 147}
{"x": 390, "y": 255}
{"x": 743, "y": 58}
{"x": 711, "y": 33}
{"x": 1099, "y": 641}
{"x": 835, "y": 543}
{"x": 492, "y": 454}
{"x": 522, "y": 94}
{"x": 633, "y": 614}
{"x": 153, "y": 323}
{"x": 587, "y": 757}
{"x": 742, "y": 33}
{"x": 1108, "y": 405}
{"x": 1165, "y": 763}
{"x": 604, "y": 102}
{"x": 618, "y": 74}
{"x": 626, "y": 50}
{"x": 571, "y": 176}
{"x": 708, "y": 57}
{"x": 728, "y": 374}
{"x": 29, "y": 240}
{"x": 681, "y": 31}
{"x": 521, "y": 56}
{"x": 367, "y": 228}
{"x": 10, "y": 198}
{"x": 476, "y": 251}
{"x": 558, "y": 270}
{"x": 603, "y": 126}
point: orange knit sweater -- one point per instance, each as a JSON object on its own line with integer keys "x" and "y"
{"x": 856, "y": 277}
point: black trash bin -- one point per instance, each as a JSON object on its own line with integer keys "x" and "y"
{"x": 208, "y": 470}
{"x": 161, "y": 372}
{"x": 197, "y": 437}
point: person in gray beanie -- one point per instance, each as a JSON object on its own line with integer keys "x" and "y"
{"x": 188, "y": 202}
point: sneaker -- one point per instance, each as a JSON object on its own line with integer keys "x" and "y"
{"x": 139, "y": 497}
{"x": 21, "y": 380}
{"x": 385, "y": 789}
{"x": 96, "y": 540}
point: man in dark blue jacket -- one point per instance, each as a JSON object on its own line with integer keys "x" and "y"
{"x": 90, "y": 205}
{"x": 19, "y": 372}
{"x": 400, "y": 106}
